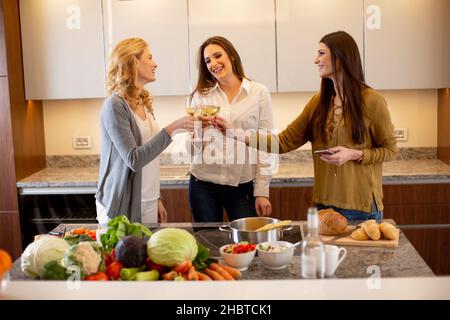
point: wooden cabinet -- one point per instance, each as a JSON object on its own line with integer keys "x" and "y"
{"x": 425, "y": 208}
{"x": 406, "y": 43}
{"x": 294, "y": 202}
{"x": 22, "y": 143}
{"x": 63, "y": 52}
{"x": 300, "y": 26}
{"x": 163, "y": 24}
{"x": 248, "y": 24}
{"x": 176, "y": 202}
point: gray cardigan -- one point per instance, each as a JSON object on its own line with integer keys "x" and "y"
{"x": 122, "y": 158}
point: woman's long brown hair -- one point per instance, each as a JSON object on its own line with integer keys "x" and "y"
{"x": 345, "y": 57}
{"x": 205, "y": 79}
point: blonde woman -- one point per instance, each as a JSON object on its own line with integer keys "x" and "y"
{"x": 128, "y": 181}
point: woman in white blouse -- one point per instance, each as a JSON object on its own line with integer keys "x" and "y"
{"x": 226, "y": 175}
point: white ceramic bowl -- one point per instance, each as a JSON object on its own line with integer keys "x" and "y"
{"x": 276, "y": 260}
{"x": 240, "y": 261}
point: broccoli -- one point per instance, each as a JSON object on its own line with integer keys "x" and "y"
{"x": 54, "y": 271}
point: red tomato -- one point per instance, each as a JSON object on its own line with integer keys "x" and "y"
{"x": 99, "y": 276}
{"x": 113, "y": 270}
{"x": 154, "y": 266}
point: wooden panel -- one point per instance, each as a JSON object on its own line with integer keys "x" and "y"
{"x": 416, "y": 194}
{"x": 294, "y": 202}
{"x": 176, "y": 202}
{"x": 275, "y": 202}
{"x": 3, "y": 66}
{"x": 10, "y": 239}
{"x": 27, "y": 118}
{"x": 444, "y": 125}
{"x": 8, "y": 191}
{"x": 433, "y": 244}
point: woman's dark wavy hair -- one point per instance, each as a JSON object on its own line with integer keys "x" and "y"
{"x": 345, "y": 58}
{"x": 205, "y": 79}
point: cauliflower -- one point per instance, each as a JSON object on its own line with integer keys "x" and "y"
{"x": 87, "y": 255}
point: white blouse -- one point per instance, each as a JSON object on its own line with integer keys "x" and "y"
{"x": 151, "y": 171}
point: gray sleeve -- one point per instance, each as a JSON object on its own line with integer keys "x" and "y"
{"x": 116, "y": 120}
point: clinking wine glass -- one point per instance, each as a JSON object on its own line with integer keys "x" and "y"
{"x": 192, "y": 106}
{"x": 210, "y": 106}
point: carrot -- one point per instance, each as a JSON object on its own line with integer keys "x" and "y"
{"x": 78, "y": 231}
{"x": 202, "y": 276}
{"x": 235, "y": 273}
{"x": 182, "y": 267}
{"x": 169, "y": 275}
{"x": 213, "y": 274}
{"x": 224, "y": 273}
{"x": 192, "y": 275}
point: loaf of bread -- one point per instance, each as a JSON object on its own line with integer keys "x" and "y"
{"x": 388, "y": 230}
{"x": 359, "y": 234}
{"x": 331, "y": 222}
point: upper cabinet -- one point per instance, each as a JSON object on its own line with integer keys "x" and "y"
{"x": 250, "y": 27}
{"x": 163, "y": 25}
{"x": 300, "y": 26}
{"x": 406, "y": 43}
{"x": 63, "y": 55}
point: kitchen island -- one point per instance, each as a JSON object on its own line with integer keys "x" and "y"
{"x": 366, "y": 273}
{"x": 361, "y": 262}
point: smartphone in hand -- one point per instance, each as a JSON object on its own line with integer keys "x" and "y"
{"x": 321, "y": 152}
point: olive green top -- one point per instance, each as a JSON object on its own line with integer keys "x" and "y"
{"x": 351, "y": 185}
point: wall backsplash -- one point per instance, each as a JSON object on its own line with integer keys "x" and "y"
{"x": 415, "y": 110}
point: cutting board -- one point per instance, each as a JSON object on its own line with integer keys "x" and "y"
{"x": 348, "y": 241}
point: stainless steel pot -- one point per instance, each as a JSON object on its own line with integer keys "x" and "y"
{"x": 244, "y": 230}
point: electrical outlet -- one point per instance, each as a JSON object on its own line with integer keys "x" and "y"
{"x": 401, "y": 134}
{"x": 82, "y": 142}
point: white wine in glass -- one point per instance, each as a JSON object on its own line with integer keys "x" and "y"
{"x": 193, "y": 111}
{"x": 192, "y": 107}
{"x": 210, "y": 110}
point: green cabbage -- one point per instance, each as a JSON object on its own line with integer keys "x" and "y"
{"x": 38, "y": 253}
{"x": 171, "y": 246}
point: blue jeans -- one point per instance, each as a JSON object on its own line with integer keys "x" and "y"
{"x": 208, "y": 199}
{"x": 355, "y": 215}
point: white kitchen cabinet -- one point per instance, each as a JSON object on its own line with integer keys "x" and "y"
{"x": 62, "y": 46}
{"x": 163, "y": 25}
{"x": 300, "y": 26}
{"x": 405, "y": 43}
{"x": 250, "y": 27}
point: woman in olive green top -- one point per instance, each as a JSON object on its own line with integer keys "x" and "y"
{"x": 352, "y": 121}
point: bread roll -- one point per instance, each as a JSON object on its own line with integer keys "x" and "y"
{"x": 372, "y": 230}
{"x": 389, "y": 231}
{"x": 359, "y": 234}
{"x": 331, "y": 223}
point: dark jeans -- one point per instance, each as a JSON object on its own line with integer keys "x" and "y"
{"x": 208, "y": 199}
{"x": 355, "y": 215}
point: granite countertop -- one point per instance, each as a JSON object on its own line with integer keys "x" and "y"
{"x": 361, "y": 262}
{"x": 398, "y": 171}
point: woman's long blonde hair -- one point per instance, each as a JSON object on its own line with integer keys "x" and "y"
{"x": 122, "y": 73}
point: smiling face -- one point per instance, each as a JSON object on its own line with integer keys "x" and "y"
{"x": 146, "y": 68}
{"x": 323, "y": 61}
{"x": 217, "y": 62}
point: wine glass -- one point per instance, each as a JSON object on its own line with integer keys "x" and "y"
{"x": 210, "y": 106}
{"x": 192, "y": 106}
